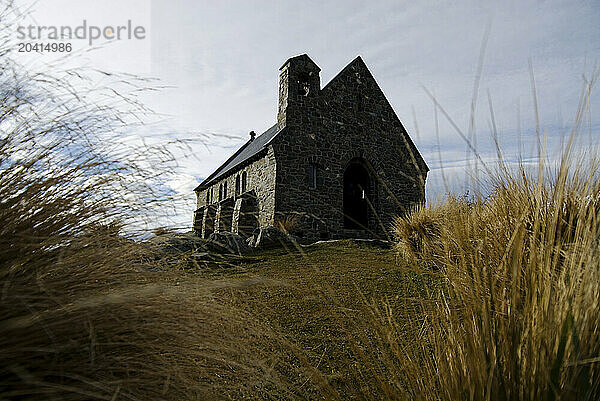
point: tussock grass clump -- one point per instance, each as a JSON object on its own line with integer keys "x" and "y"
{"x": 519, "y": 313}
{"x": 288, "y": 224}
{"x": 512, "y": 308}
{"x": 420, "y": 237}
{"x": 81, "y": 314}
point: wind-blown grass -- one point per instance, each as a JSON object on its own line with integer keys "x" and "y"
{"x": 500, "y": 300}
{"x": 82, "y": 316}
{"x": 518, "y": 315}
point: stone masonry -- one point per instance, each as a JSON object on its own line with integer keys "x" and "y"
{"x": 338, "y": 163}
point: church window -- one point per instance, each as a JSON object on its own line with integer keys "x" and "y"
{"x": 312, "y": 176}
{"x": 304, "y": 83}
{"x": 244, "y": 181}
{"x": 237, "y": 184}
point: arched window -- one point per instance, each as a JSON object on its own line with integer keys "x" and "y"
{"x": 312, "y": 176}
{"x": 237, "y": 184}
{"x": 244, "y": 181}
{"x": 359, "y": 102}
{"x": 225, "y": 190}
{"x": 207, "y": 197}
{"x": 220, "y": 192}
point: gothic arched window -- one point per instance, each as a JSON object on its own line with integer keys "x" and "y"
{"x": 312, "y": 176}
{"x": 237, "y": 184}
{"x": 244, "y": 181}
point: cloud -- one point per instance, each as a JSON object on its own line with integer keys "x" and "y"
{"x": 182, "y": 183}
{"x": 222, "y": 59}
{"x": 232, "y": 82}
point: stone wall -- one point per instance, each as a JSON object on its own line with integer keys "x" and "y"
{"x": 350, "y": 118}
{"x": 347, "y": 121}
{"x": 260, "y": 181}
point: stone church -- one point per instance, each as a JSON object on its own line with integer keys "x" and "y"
{"x": 338, "y": 163}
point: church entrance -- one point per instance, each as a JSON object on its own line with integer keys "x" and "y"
{"x": 357, "y": 185}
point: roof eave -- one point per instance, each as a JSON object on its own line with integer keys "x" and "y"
{"x": 209, "y": 181}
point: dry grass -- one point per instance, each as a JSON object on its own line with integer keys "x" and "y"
{"x": 288, "y": 224}
{"x": 519, "y": 315}
{"x": 82, "y": 323}
{"x": 496, "y": 298}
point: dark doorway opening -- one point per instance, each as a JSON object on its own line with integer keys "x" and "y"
{"x": 357, "y": 185}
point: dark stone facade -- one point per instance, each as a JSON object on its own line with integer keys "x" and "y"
{"x": 337, "y": 164}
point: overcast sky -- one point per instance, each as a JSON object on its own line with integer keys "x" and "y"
{"x": 221, "y": 60}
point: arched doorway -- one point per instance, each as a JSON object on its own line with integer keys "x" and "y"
{"x": 357, "y": 186}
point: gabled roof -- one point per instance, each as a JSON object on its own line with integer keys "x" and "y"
{"x": 411, "y": 145}
{"x": 259, "y": 144}
{"x": 247, "y": 151}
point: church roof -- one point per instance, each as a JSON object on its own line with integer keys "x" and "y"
{"x": 247, "y": 151}
{"x": 256, "y": 146}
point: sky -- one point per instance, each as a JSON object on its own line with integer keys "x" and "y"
{"x": 219, "y": 60}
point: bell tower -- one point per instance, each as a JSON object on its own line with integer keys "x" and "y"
{"x": 299, "y": 81}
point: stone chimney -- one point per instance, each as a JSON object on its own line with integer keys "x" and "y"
{"x": 252, "y": 135}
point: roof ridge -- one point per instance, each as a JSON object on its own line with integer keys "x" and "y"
{"x": 339, "y": 74}
{"x": 227, "y": 165}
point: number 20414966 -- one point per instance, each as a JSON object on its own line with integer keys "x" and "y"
{"x": 45, "y": 47}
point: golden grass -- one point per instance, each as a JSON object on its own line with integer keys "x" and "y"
{"x": 496, "y": 298}
{"x": 87, "y": 322}
{"x": 83, "y": 312}
{"x": 288, "y": 224}
{"x": 519, "y": 313}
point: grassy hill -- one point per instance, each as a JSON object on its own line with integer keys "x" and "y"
{"x": 315, "y": 299}
{"x": 489, "y": 298}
